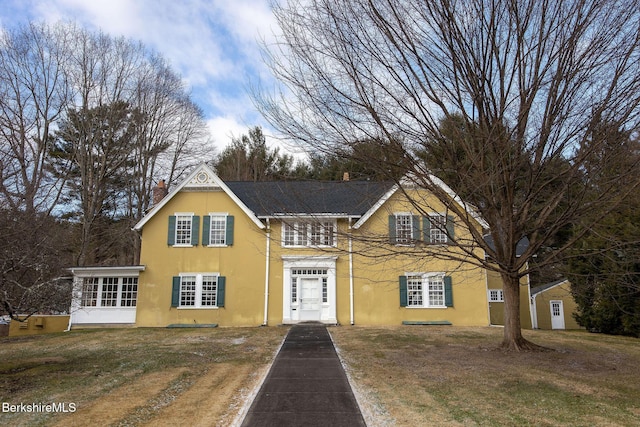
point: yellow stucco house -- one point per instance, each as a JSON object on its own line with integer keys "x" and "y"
{"x": 270, "y": 253}
{"x": 547, "y": 306}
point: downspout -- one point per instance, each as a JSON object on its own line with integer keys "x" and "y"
{"x": 73, "y": 300}
{"x": 351, "y": 274}
{"x": 266, "y": 276}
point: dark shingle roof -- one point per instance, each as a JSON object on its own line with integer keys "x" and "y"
{"x": 268, "y": 198}
{"x": 541, "y": 288}
{"x": 521, "y": 246}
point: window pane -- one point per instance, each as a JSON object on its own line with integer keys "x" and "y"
{"x": 188, "y": 291}
{"x": 438, "y": 231}
{"x": 90, "y": 292}
{"x": 129, "y": 292}
{"x": 414, "y": 291}
{"x": 404, "y": 229}
{"x": 324, "y": 290}
{"x": 109, "y": 292}
{"x": 288, "y": 234}
{"x": 436, "y": 292}
{"x": 294, "y": 289}
{"x": 218, "y": 229}
{"x": 209, "y": 291}
{"x": 183, "y": 229}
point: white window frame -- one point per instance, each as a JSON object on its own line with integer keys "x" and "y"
{"x": 427, "y": 280}
{"x": 495, "y": 295}
{"x": 182, "y": 241}
{"x": 109, "y": 292}
{"x": 300, "y": 233}
{"x": 91, "y": 292}
{"x": 404, "y": 239}
{"x": 220, "y": 217}
{"x": 199, "y": 291}
{"x": 438, "y": 233}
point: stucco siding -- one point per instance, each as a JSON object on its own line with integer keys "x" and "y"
{"x": 242, "y": 264}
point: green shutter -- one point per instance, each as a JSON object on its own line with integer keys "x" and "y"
{"x": 222, "y": 282}
{"x": 403, "y": 291}
{"x": 448, "y": 291}
{"x": 426, "y": 229}
{"x": 415, "y": 225}
{"x": 450, "y": 229}
{"x": 175, "y": 292}
{"x": 195, "y": 230}
{"x": 392, "y": 229}
{"x": 171, "y": 237}
{"x": 206, "y": 230}
{"x": 229, "y": 231}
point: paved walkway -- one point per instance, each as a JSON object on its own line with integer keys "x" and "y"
{"x": 306, "y": 385}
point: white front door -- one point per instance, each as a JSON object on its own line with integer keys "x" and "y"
{"x": 309, "y": 289}
{"x": 557, "y": 315}
{"x": 310, "y": 298}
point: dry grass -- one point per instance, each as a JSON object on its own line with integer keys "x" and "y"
{"x": 136, "y": 376}
{"x": 414, "y": 376}
{"x": 404, "y": 376}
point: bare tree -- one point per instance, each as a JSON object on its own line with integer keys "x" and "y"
{"x": 32, "y": 264}
{"x": 170, "y": 138}
{"x": 528, "y": 81}
{"x": 33, "y": 95}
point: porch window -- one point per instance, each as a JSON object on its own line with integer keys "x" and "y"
{"x": 90, "y": 286}
{"x": 109, "y": 292}
{"x": 129, "y": 292}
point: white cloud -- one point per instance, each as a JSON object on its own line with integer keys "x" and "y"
{"x": 213, "y": 44}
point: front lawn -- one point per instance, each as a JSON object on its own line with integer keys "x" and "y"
{"x": 426, "y": 375}
{"x": 402, "y": 375}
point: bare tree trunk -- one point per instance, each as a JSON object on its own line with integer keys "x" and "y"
{"x": 512, "y": 338}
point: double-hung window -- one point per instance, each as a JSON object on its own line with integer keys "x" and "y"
{"x": 218, "y": 230}
{"x": 183, "y": 229}
{"x": 426, "y": 290}
{"x": 198, "y": 290}
{"x": 404, "y": 228}
{"x": 309, "y": 233}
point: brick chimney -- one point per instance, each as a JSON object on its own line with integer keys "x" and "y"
{"x": 159, "y": 191}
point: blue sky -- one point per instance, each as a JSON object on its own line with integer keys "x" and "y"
{"x": 213, "y": 44}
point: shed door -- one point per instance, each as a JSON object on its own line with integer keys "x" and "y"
{"x": 557, "y": 315}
